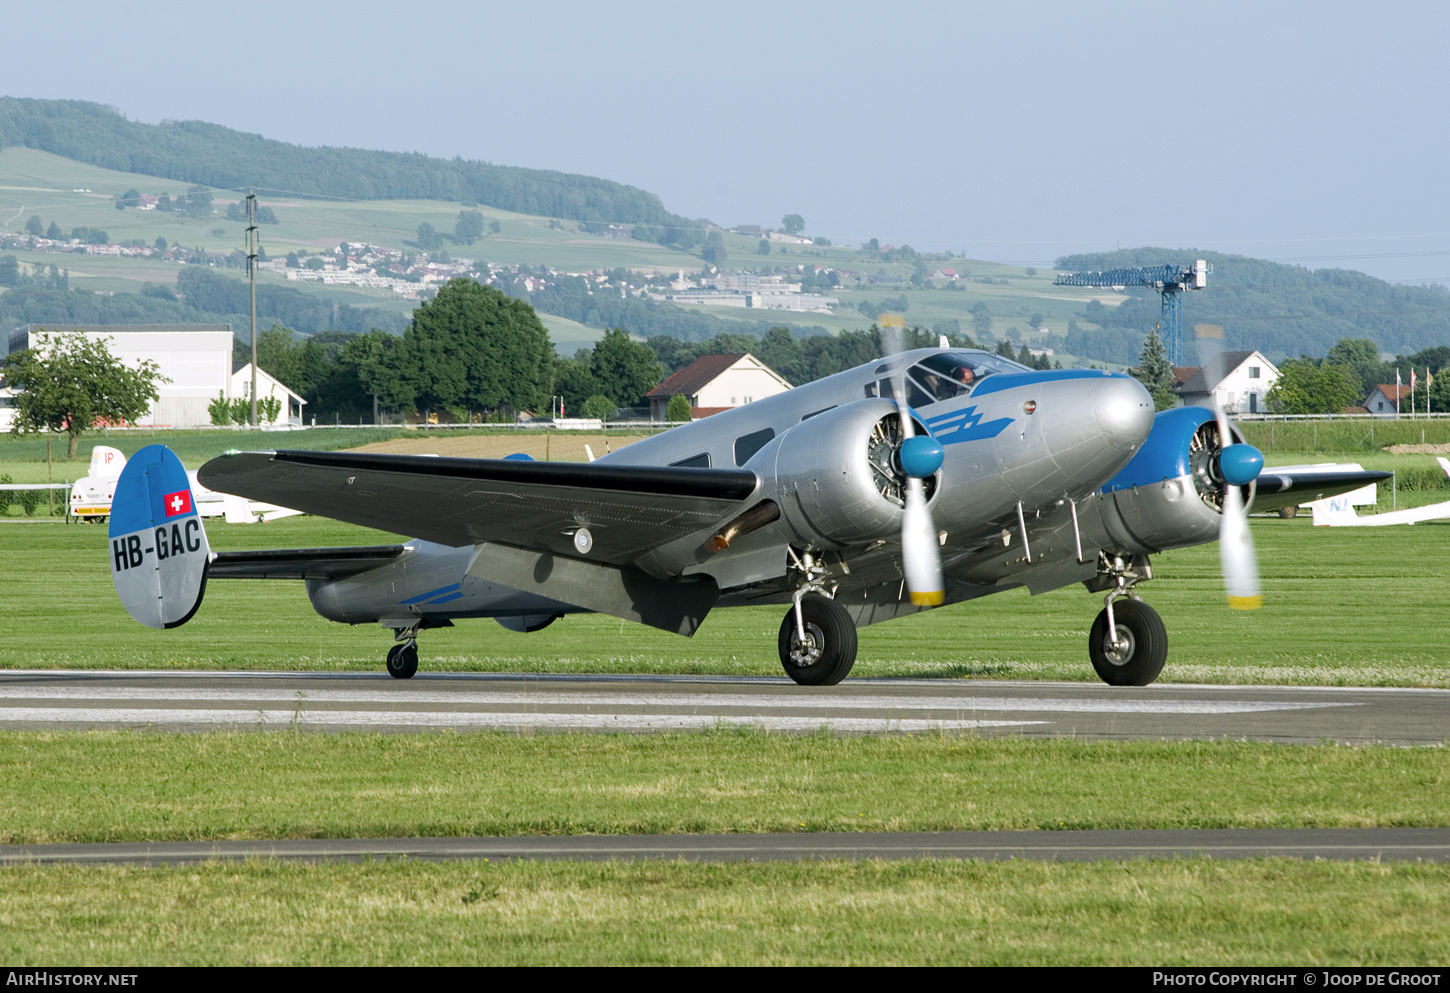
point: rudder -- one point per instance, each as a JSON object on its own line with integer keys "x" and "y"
{"x": 158, "y": 547}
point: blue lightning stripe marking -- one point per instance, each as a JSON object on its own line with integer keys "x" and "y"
{"x": 965, "y": 425}
{"x": 440, "y": 591}
{"x": 447, "y": 599}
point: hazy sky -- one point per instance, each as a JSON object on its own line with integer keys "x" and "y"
{"x": 1303, "y": 132}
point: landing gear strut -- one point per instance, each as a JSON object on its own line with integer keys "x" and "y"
{"x": 403, "y": 657}
{"x": 817, "y": 642}
{"x": 1128, "y": 643}
{"x": 1134, "y": 653}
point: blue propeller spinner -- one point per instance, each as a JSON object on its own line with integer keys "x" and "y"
{"x": 922, "y": 456}
{"x": 1239, "y": 464}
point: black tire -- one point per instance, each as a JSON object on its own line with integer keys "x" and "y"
{"x": 1290, "y": 511}
{"x": 403, "y": 661}
{"x": 1140, "y": 659}
{"x": 832, "y": 649}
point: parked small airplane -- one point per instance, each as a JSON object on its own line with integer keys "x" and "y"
{"x": 931, "y": 476}
{"x": 1339, "y": 511}
{"x": 91, "y": 496}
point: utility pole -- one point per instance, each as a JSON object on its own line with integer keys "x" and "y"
{"x": 252, "y": 276}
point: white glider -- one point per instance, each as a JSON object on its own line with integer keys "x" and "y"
{"x": 1339, "y": 511}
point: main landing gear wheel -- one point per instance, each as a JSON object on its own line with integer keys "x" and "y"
{"x": 829, "y": 650}
{"x": 403, "y": 660}
{"x": 1141, "y": 649}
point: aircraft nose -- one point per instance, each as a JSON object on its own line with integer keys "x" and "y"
{"x": 1124, "y": 412}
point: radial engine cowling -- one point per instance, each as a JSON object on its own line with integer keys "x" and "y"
{"x": 1171, "y": 493}
{"x": 837, "y": 477}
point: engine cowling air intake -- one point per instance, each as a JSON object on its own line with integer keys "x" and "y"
{"x": 1172, "y": 492}
{"x": 838, "y": 476}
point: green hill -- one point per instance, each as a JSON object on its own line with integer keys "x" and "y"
{"x": 212, "y": 155}
{"x": 67, "y": 162}
{"x": 1282, "y": 310}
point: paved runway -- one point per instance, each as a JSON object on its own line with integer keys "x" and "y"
{"x": 208, "y": 701}
{"x": 1389, "y": 844}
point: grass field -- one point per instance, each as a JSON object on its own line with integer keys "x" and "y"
{"x": 109, "y": 786}
{"x": 1344, "y": 606}
{"x": 1191, "y": 912}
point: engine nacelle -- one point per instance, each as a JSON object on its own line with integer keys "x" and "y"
{"x": 836, "y": 476}
{"x": 1169, "y": 495}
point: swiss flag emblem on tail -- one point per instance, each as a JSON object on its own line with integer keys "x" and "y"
{"x": 178, "y": 503}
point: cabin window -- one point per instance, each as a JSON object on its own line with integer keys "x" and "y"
{"x": 701, "y": 461}
{"x": 944, "y": 375}
{"x": 747, "y": 445}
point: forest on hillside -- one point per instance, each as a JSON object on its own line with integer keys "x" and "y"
{"x": 206, "y": 297}
{"x": 1281, "y": 310}
{"x": 209, "y": 154}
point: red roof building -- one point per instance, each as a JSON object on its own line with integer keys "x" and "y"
{"x": 717, "y": 381}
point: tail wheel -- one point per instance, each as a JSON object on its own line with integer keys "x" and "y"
{"x": 1137, "y": 657}
{"x": 829, "y": 649}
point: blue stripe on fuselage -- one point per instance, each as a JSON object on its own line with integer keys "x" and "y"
{"x": 452, "y": 587}
{"x": 964, "y": 425}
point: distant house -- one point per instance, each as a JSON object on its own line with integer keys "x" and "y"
{"x": 267, "y": 386}
{"x": 1239, "y": 380}
{"x": 943, "y": 274}
{"x": 1381, "y": 401}
{"x": 717, "y": 382}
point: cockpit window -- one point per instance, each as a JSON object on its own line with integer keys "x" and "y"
{"x": 949, "y": 374}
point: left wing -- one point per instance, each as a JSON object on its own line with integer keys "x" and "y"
{"x": 628, "y": 510}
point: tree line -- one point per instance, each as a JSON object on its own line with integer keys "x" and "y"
{"x": 206, "y": 297}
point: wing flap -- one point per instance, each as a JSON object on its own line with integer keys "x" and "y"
{"x": 537, "y": 505}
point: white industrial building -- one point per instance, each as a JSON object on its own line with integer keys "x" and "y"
{"x": 194, "y": 359}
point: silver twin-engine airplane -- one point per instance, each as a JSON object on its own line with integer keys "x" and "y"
{"x": 933, "y": 476}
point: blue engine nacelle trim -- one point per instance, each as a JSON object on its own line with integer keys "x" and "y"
{"x": 1165, "y": 454}
{"x": 1011, "y": 380}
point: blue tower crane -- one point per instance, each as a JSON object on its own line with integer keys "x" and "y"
{"x": 1169, "y": 280}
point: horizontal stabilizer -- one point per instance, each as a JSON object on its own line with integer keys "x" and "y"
{"x": 302, "y": 563}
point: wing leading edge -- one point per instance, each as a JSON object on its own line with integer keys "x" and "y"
{"x": 1292, "y": 485}
{"x": 534, "y": 505}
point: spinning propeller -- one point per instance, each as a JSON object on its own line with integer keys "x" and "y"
{"x": 1234, "y": 465}
{"x": 920, "y": 456}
